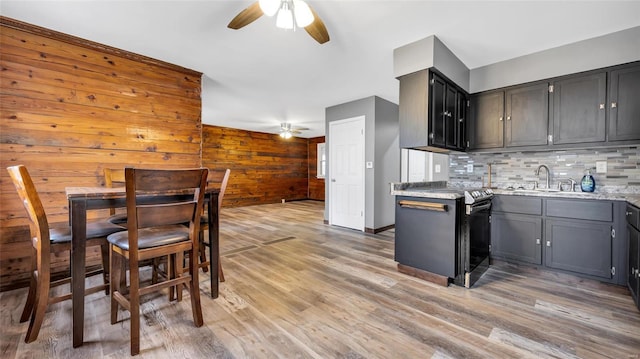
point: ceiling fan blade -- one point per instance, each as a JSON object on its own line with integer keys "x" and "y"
{"x": 316, "y": 29}
{"x": 246, "y": 16}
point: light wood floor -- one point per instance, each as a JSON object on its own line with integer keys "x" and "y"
{"x": 297, "y": 288}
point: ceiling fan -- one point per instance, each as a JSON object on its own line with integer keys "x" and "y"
{"x": 291, "y": 14}
{"x": 287, "y": 131}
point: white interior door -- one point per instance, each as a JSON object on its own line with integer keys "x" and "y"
{"x": 346, "y": 171}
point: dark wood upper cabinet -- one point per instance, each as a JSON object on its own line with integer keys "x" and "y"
{"x": 579, "y": 113}
{"x": 624, "y": 104}
{"x": 595, "y": 108}
{"x": 486, "y": 128}
{"x": 432, "y": 112}
{"x": 527, "y": 115}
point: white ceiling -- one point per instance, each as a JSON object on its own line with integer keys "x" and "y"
{"x": 256, "y": 77}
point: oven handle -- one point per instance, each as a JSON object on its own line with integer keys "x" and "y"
{"x": 429, "y": 206}
{"x": 482, "y": 207}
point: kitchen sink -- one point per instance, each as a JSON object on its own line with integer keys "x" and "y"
{"x": 548, "y": 190}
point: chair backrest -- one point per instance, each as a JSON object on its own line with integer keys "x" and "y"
{"x": 164, "y": 210}
{"x": 114, "y": 177}
{"x": 220, "y": 179}
{"x": 38, "y": 224}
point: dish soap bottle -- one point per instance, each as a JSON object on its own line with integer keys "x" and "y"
{"x": 588, "y": 184}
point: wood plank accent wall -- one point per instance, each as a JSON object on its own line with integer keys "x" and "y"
{"x": 265, "y": 168}
{"x": 316, "y": 185}
{"x": 71, "y": 107}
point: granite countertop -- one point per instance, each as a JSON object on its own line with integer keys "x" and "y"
{"x": 441, "y": 190}
{"x": 436, "y": 189}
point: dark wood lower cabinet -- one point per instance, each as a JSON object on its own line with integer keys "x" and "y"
{"x": 633, "y": 262}
{"x": 516, "y": 237}
{"x": 571, "y": 235}
{"x": 579, "y": 246}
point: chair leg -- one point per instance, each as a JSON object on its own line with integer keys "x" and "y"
{"x": 104, "y": 253}
{"x": 203, "y": 252}
{"x": 134, "y": 304}
{"x": 31, "y": 298}
{"x": 41, "y": 301}
{"x": 178, "y": 270}
{"x": 194, "y": 289}
{"x": 115, "y": 282}
{"x": 220, "y": 272}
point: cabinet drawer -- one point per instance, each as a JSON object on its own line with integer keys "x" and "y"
{"x": 517, "y": 204}
{"x": 589, "y": 210}
{"x": 633, "y": 216}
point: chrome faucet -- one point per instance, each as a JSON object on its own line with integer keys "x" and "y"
{"x": 548, "y": 173}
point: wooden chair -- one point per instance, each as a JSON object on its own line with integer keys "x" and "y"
{"x": 156, "y": 229}
{"x": 219, "y": 179}
{"x": 46, "y": 241}
{"x": 114, "y": 177}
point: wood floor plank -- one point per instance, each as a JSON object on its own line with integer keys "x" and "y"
{"x": 298, "y": 288}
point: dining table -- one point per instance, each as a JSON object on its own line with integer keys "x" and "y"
{"x": 83, "y": 199}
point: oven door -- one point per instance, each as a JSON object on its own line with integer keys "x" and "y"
{"x": 474, "y": 243}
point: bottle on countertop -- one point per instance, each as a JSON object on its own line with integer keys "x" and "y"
{"x": 588, "y": 183}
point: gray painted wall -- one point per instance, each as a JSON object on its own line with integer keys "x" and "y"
{"x": 381, "y": 147}
{"x": 603, "y": 51}
{"x": 427, "y": 53}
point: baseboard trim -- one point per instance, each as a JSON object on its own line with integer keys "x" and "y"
{"x": 378, "y": 230}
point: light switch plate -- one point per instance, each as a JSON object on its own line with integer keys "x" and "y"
{"x": 601, "y": 166}
{"x": 437, "y": 168}
{"x": 369, "y": 164}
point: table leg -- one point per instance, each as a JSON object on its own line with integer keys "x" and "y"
{"x": 214, "y": 243}
{"x": 78, "y": 213}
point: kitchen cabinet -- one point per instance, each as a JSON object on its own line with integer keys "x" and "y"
{"x": 579, "y": 246}
{"x": 624, "y": 107}
{"x": 512, "y": 118}
{"x": 432, "y": 112}
{"x": 578, "y": 104}
{"x": 633, "y": 263}
{"x": 527, "y": 115}
{"x": 516, "y": 237}
{"x": 486, "y": 129}
{"x": 516, "y": 229}
{"x": 595, "y": 108}
{"x": 571, "y": 235}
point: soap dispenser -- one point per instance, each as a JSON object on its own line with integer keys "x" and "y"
{"x": 588, "y": 184}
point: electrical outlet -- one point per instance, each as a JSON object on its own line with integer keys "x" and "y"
{"x": 437, "y": 168}
{"x": 470, "y": 168}
{"x": 601, "y": 166}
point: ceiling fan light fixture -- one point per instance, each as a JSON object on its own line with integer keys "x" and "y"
{"x": 302, "y": 13}
{"x": 269, "y": 7}
{"x": 285, "y": 16}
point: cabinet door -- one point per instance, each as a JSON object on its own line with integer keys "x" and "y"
{"x": 487, "y": 123}
{"x": 438, "y": 116}
{"x": 412, "y": 109}
{"x": 451, "y": 122}
{"x": 461, "y": 121}
{"x": 527, "y": 115}
{"x": 579, "y": 109}
{"x": 624, "y": 104}
{"x": 516, "y": 237}
{"x": 633, "y": 279}
{"x": 579, "y": 246}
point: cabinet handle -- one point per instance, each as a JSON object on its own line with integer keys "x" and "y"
{"x": 548, "y": 243}
{"x": 602, "y": 106}
{"x": 429, "y": 206}
{"x": 538, "y": 241}
{"x": 500, "y": 118}
{"x": 460, "y": 120}
{"x": 508, "y": 118}
{"x": 614, "y": 104}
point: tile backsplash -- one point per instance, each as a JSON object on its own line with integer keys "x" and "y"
{"x": 517, "y": 169}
